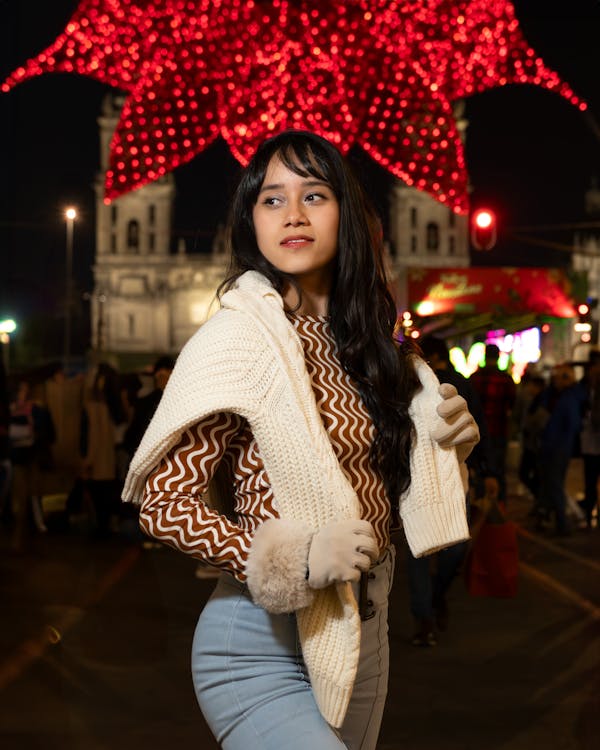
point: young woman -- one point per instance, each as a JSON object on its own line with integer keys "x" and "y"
{"x": 321, "y": 425}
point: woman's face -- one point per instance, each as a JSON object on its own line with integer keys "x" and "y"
{"x": 296, "y": 222}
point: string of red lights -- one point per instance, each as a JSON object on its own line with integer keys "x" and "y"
{"x": 382, "y": 74}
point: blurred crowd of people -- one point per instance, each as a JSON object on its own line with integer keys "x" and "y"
{"x": 72, "y": 438}
{"x": 555, "y": 420}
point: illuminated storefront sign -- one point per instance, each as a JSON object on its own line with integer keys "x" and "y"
{"x": 507, "y": 291}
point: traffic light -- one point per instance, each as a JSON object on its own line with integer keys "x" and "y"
{"x": 483, "y": 229}
{"x": 584, "y": 322}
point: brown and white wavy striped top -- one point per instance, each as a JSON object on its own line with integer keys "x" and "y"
{"x": 173, "y": 511}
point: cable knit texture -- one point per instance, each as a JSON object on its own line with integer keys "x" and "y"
{"x": 433, "y": 508}
{"x": 247, "y": 359}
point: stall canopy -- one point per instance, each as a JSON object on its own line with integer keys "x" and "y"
{"x": 467, "y": 299}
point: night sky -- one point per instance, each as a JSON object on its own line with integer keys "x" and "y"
{"x": 530, "y": 154}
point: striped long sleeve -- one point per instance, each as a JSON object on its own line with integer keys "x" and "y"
{"x": 174, "y": 512}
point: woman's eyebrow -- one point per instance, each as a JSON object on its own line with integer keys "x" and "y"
{"x": 280, "y": 185}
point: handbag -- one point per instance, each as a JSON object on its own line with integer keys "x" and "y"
{"x": 492, "y": 564}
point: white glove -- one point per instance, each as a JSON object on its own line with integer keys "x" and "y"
{"x": 340, "y": 551}
{"x": 458, "y": 429}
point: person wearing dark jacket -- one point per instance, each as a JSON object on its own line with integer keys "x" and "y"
{"x": 497, "y": 393}
{"x": 144, "y": 407}
{"x": 589, "y": 388}
{"x": 563, "y": 404}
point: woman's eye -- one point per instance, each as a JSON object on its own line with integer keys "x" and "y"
{"x": 312, "y": 197}
{"x": 271, "y": 201}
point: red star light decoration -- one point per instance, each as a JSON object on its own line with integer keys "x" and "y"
{"x": 382, "y": 74}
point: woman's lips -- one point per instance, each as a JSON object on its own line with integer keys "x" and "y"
{"x": 298, "y": 241}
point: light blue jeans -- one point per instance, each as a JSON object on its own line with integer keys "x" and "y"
{"x": 251, "y": 680}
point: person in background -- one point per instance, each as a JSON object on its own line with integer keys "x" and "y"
{"x": 64, "y": 398}
{"x": 143, "y": 409}
{"x": 31, "y": 433}
{"x": 562, "y": 402}
{"x": 430, "y": 577}
{"x": 5, "y": 462}
{"x": 497, "y": 392}
{"x": 102, "y": 413}
{"x": 145, "y": 406}
{"x": 130, "y": 385}
{"x": 298, "y": 389}
{"x": 528, "y": 429}
{"x": 589, "y": 386}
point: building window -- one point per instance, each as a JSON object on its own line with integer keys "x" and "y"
{"x": 433, "y": 237}
{"x": 451, "y": 219}
{"x": 131, "y": 325}
{"x": 451, "y": 245}
{"x": 151, "y": 241}
{"x": 413, "y": 244}
{"x": 113, "y": 214}
{"x": 113, "y": 243}
{"x": 151, "y": 214}
{"x": 133, "y": 236}
{"x": 413, "y": 218}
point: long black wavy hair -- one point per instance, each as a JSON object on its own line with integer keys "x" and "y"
{"x": 361, "y": 309}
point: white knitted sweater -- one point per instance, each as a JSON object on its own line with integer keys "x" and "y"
{"x": 247, "y": 359}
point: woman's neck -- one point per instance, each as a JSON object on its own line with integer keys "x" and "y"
{"x": 314, "y": 298}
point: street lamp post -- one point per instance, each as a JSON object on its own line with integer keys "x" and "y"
{"x": 70, "y": 216}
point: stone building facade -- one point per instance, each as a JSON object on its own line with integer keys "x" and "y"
{"x": 149, "y": 300}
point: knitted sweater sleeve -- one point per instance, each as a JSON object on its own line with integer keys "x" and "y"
{"x": 433, "y": 509}
{"x": 175, "y": 508}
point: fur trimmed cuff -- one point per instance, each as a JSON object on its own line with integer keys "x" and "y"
{"x": 276, "y": 566}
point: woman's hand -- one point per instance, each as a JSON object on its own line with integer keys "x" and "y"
{"x": 458, "y": 428}
{"x": 340, "y": 551}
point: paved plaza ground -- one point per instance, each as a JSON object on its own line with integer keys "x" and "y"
{"x": 95, "y": 642}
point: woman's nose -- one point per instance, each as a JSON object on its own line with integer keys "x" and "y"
{"x": 296, "y": 216}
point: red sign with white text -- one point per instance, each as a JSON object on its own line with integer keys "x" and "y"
{"x": 436, "y": 291}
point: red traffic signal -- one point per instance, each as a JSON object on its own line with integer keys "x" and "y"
{"x": 483, "y": 229}
{"x": 583, "y": 309}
